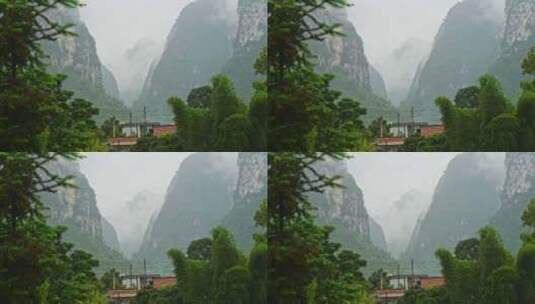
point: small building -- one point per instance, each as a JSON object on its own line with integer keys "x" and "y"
{"x": 389, "y": 144}
{"x": 430, "y": 282}
{"x": 138, "y": 281}
{"x": 162, "y": 282}
{"x": 406, "y": 281}
{"x": 162, "y": 130}
{"x": 139, "y": 129}
{"x": 389, "y": 295}
{"x": 428, "y": 131}
{"x": 121, "y": 296}
{"x": 122, "y": 143}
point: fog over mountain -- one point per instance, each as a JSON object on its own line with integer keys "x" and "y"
{"x": 406, "y": 180}
{"x": 398, "y": 35}
{"x": 126, "y": 45}
{"x": 129, "y": 188}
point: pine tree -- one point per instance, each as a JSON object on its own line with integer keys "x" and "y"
{"x": 36, "y": 114}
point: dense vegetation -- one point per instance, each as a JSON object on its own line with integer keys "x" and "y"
{"x": 481, "y": 118}
{"x": 464, "y": 199}
{"x": 482, "y": 271}
{"x": 36, "y": 265}
{"x": 36, "y": 114}
{"x": 305, "y": 265}
{"x": 215, "y": 119}
{"x": 305, "y": 114}
{"x": 215, "y": 271}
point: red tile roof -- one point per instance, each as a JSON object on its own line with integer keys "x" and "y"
{"x": 428, "y": 131}
{"x": 162, "y": 130}
{"x": 164, "y": 282}
{"x": 432, "y": 282}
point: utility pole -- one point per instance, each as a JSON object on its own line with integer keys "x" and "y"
{"x": 381, "y": 124}
{"x": 412, "y": 279}
{"x": 131, "y": 277}
{"x": 131, "y": 124}
{"x": 399, "y": 125}
{"x": 145, "y": 266}
{"x": 144, "y": 119}
{"x": 145, "y": 114}
{"x": 398, "y": 277}
{"x": 412, "y": 114}
{"x": 412, "y": 272}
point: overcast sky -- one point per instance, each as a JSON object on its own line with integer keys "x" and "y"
{"x": 117, "y": 177}
{"x": 130, "y": 35}
{"x": 117, "y": 25}
{"x": 385, "y": 24}
{"x": 385, "y": 177}
{"x": 398, "y": 35}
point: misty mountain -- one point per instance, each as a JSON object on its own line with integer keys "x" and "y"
{"x": 197, "y": 199}
{"x": 344, "y": 57}
{"x": 249, "y": 192}
{"x": 401, "y": 217}
{"x": 77, "y": 58}
{"x": 109, "y": 235}
{"x": 76, "y": 208}
{"x": 344, "y": 209}
{"x": 466, "y": 45}
{"x": 198, "y": 47}
{"x": 377, "y": 83}
{"x": 138, "y": 210}
{"x": 465, "y": 199}
{"x": 401, "y": 66}
{"x": 518, "y": 189}
{"x": 518, "y": 38}
{"x": 377, "y": 235}
{"x": 251, "y": 38}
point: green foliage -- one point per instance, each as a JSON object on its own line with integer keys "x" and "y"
{"x": 37, "y": 265}
{"x": 483, "y": 120}
{"x": 484, "y": 272}
{"x": 223, "y": 100}
{"x": 528, "y": 220}
{"x": 214, "y": 119}
{"x": 258, "y": 259}
{"x": 233, "y": 133}
{"x": 304, "y": 265}
{"x": 305, "y": 114}
{"x": 200, "y": 97}
{"x": 425, "y": 296}
{"x": 166, "y": 295}
{"x": 526, "y": 120}
{"x": 234, "y": 286}
{"x": 492, "y": 100}
{"x": 468, "y": 97}
{"x": 379, "y": 127}
{"x": 224, "y": 252}
{"x": 111, "y": 127}
{"x": 222, "y": 276}
{"x": 111, "y": 279}
{"x": 435, "y": 143}
{"x": 36, "y": 114}
{"x": 379, "y": 279}
{"x": 467, "y": 249}
{"x": 501, "y": 134}
{"x": 200, "y": 249}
